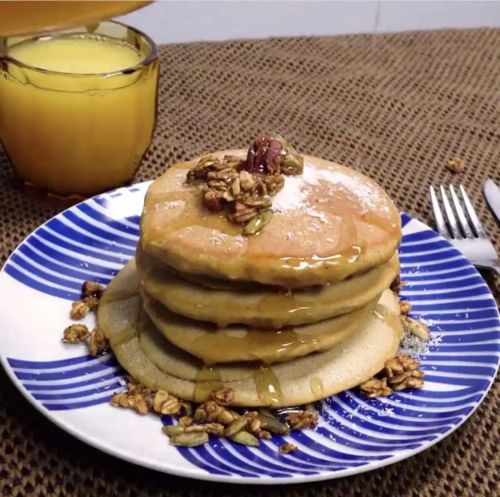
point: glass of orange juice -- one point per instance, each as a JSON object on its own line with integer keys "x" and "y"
{"x": 78, "y": 107}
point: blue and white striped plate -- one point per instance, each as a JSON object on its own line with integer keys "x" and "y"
{"x": 93, "y": 240}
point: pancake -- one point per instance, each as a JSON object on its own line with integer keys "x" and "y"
{"x": 214, "y": 345}
{"x": 296, "y": 382}
{"x": 174, "y": 361}
{"x": 328, "y": 223}
{"x": 263, "y": 306}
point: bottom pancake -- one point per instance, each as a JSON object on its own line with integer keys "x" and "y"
{"x": 296, "y": 382}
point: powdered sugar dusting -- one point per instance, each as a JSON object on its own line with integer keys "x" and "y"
{"x": 296, "y": 189}
{"x": 172, "y": 204}
{"x": 414, "y": 347}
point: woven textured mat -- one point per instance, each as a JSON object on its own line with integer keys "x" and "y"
{"x": 393, "y": 106}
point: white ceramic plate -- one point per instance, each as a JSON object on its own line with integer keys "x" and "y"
{"x": 94, "y": 239}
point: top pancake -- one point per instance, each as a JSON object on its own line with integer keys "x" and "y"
{"x": 330, "y": 222}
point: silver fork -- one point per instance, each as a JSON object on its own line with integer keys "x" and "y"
{"x": 466, "y": 234}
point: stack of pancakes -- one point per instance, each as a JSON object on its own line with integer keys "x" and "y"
{"x": 296, "y": 313}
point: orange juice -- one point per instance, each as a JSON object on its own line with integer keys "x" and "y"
{"x": 77, "y": 110}
{"x": 18, "y": 18}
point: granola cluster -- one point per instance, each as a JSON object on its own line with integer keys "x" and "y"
{"x": 399, "y": 372}
{"x": 456, "y": 165}
{"x": 78, "y": 333}
{"x": 91, "y": 293}
{"x": 242, "y": 189}
{"x": 196, "y": 423}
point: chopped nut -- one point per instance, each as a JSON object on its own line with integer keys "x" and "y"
{"x": 79, "y": 310}
{"x": 92, "y": 302}
{"x": 226, "y": 417}
{"x": 410, "y": 379}
{"x": 287, "y": 448}
{"x": 139, "y": 404}
{"x": 247, "y": 182}
{"x": 299, "y": 420}
{"x": 215, "y": 429}
{"x": 403, "y": 371}
{"x": 213, "y": 410}
{"x": 224, "y": 396}
{"x": 75, "y": 333}
{"x": 400, "y": 363}
{"x": 243, "y": 213}
{"x": 97, "y": 342}
{"x": 119, "y": 400}
{"x": 404, "y": 307}
{"x": 200, "y": 415}
{"x": 235, "y": 187}
{"x": 185, "y": 421}
{"x": 137, "y": 388}
{"x": 255, "y": 426}
{"x": 159, "y": 398}
{"x": 92, "y": 289}
{"x": 195, "y": 429}
{"x": 399, "y": 372}
{"x": 264, "y": 156}
{"x": 375, "y": 387}
{"x": 213, "y": 202}
{"x": 136, "y": 402}
{"x": 264, "y": 434}
{"x": 164, "y": 403}
{"x": 456, "y": 165}
{"x": 419, "y": 329}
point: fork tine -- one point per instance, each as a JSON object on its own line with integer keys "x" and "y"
{"x": 438, "y": 215}
{"x": 449, "y": 214}
{"x": 472, "y": 213}
{"x": 464, "y": 223}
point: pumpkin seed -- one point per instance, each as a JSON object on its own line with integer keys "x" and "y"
{"x": 292, "y": 164}
{"x": 257, "y": 222}
{"x": 271, "y": 423}
{"x": 245, "y": 438}
{"x": 416, "y": 327}
{"x": 191, "y": 439}
{"x": 173, "y": 430}
{"x": 236, "y": 426}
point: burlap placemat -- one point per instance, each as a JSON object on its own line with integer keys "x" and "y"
{"x": 396, "y": 107}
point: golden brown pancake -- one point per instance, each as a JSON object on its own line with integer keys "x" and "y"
{"x": 214, "y": 345}
{"x": 330, "y": 222}
{"x": 262, "y": 306}
{"x": 295, "y": 382}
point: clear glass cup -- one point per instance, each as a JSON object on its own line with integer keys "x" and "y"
{"x": 76, "y": 133}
